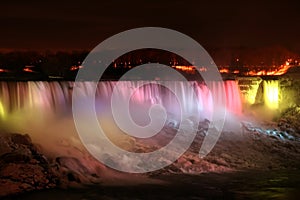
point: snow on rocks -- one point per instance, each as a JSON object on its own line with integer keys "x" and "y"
{"x": 279, "y": 134}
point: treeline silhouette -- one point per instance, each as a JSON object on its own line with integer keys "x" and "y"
{"x": 59, "y": 64}
{"x": 49, "y": 63}
{"x": 67, "y": 64}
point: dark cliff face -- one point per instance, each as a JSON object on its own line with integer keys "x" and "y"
{"x": 293, "y": 73}
{"x": 289, "y": 93}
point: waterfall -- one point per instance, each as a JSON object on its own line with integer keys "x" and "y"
{"x": 55, "y": 97}
{"x": 39, "y": 108}
{"x": 44, "y": 109}
{"x": 271, "y": 93}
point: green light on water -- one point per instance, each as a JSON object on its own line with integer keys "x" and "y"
{"x": 271, "y": 93}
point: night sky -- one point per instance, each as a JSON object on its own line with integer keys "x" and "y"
{"x": 77, "y": 25}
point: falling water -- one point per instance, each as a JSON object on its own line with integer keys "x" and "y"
{"x": 53, "y": 97}
{"x": 45, "y": 107}
{"x": 271, "y": 93}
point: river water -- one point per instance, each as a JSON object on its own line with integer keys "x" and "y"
{"x": 283, "y": 184}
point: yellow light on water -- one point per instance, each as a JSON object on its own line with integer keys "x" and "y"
{"x": 251, "y": 95}
{"x": 271, "y": 93}
{"x": 2, "y": 111}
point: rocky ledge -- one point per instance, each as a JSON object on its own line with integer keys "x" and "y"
{"x": 24, "y": 168}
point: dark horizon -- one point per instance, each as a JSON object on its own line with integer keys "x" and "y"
{"x": 67, "y": 26}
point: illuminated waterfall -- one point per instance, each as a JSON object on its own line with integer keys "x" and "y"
{"x": 57, "y": 95}
{"x": 271, "y": 93}
{"x": 2, "y": 111}
{"x": 35, "y": 102}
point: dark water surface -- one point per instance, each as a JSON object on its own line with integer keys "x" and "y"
{"x": 283, "y": 184}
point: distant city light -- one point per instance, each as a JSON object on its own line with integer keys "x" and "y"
{"x": 73, "y": 68}
{"x": 27, "y": 69}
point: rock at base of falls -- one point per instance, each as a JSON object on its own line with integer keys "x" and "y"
{"x": 22, "y": 166}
